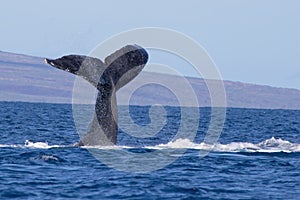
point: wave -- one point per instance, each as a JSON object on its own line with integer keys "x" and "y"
{"x": 271, "y": 145}
{"x": 35, "y": 145}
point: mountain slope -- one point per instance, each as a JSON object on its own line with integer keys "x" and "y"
{"x": 27, "y": 78}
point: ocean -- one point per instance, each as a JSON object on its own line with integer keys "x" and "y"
{"x": 257, "y": 155}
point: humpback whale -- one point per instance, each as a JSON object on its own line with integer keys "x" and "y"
{"x": 108, "y": 77}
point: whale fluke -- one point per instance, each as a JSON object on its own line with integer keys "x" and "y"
{"x": 118, "y": 69}
{"x": 87, "y": 67}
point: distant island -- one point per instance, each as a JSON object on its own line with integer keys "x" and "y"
{"x": 27, "y": 78}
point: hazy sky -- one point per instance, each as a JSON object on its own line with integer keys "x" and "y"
{"x": 255, "y": 41}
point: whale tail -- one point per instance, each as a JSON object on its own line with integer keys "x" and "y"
{"x": 118, "y": 69}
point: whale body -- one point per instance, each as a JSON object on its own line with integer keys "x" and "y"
{"x": 108, "y": 77}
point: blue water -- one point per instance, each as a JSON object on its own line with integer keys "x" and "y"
{"x": 256, "y": 157}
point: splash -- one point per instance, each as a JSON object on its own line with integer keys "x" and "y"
{"x": 49, "y": 158}
{"x": 271, "y": 145}
{"x": 39, "y": 145}
{"x": 29, "y": 144}
{"x": 177, "y": 144}
{"x": 116, "y": 147}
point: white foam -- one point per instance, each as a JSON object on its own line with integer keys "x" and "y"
{"x": 177, "y": 144}
{"x": 105, "y": 147}
{"x": 39, "y": 145}
{"x": 11, "y": 145}
{"x": 271, "y": 145}
{"x": 46, "y": 158}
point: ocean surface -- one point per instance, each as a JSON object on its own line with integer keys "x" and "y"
{"x": 256, "y": 157}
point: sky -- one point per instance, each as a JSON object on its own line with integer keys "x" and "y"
{"x": 253, "y": 41}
